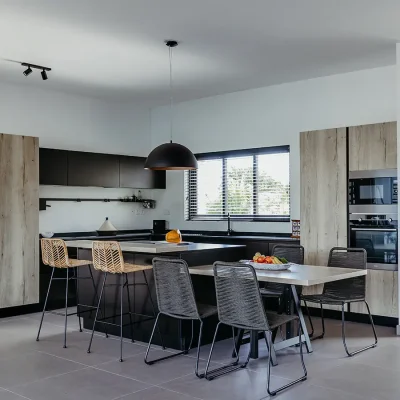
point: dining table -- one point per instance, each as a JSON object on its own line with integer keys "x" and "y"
{"x": 296, "y": 275}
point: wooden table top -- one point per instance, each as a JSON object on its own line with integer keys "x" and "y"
{"x": 302, "y": 275}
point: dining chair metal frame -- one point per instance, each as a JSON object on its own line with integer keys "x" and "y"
{"x": 343, "y": 293}
{"x": 176, "y": 299}
{"x": 240, "y": 305}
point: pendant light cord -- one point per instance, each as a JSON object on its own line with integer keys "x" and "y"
{"x": 171, "y": 98}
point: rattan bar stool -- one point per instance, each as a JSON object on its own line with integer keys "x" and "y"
{"x": 176, "y": 299}
{"x": 343, "y": 292}
{"x": 55, "y": 254}
{"x": 108, "y": 258}
{"x": 240, "y": 306}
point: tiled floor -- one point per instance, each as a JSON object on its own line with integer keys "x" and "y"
{"x": 45, "y": 371}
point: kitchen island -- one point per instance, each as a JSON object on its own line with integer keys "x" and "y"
{"x": 175, "y": 334}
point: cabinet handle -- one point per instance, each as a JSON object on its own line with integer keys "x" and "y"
{"x": 374, "y": 229}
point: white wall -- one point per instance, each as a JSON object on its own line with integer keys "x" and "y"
{"x": 71, "y": 122}
{"x": 267, "y": 117}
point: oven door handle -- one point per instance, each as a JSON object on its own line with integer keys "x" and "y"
{"x": 374, "y": 229}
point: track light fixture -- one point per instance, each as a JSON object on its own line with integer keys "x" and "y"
{"x": 29, "y": 70}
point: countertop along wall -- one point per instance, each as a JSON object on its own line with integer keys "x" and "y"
{"x": 72, "y": 122}
{"x": 270, "y": 116}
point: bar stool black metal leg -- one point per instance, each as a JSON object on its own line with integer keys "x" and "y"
{"x": 96, "y": 298}
{"x": 45, "y": 304}
{"x": 77, "y": 298}
{"x": 66, "y": 309}
{"x": 154, "y": 309}
{"x": 129, "y": 307}
{"x": 122, "y": 317}
{"x": 97, "y": 310}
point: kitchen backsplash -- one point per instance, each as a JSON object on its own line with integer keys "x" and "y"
{"x": 88, "y": 216}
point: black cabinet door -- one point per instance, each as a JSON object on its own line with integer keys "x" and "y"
{"x": 133, "y": 174}
{"x": 93, "y": 169}
{"x": 53, "y": 167}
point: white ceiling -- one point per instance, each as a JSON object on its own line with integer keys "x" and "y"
{"x": 114, "y": 48}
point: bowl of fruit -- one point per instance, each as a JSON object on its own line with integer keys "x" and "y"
{"x": 271, "y": 263}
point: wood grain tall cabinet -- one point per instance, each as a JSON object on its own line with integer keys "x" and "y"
{"x": 323, "y": 199}
{"x": 373, "y": 146}
{"x": 19, "y": 220}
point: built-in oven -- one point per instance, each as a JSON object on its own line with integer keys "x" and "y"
{"x": 377, "y": 187}
{"x": 377, "y": 234}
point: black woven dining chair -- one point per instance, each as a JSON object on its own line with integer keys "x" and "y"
{"x": 294, "y": 254}
{"x": 343, "y": 292}
{"x": 240, "y": 306}
{"x": 176, "y": 299}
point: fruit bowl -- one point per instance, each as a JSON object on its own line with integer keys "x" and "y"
{"x": 267, "y": 267}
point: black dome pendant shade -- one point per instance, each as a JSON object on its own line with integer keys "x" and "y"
{"x": 171, "y": 156}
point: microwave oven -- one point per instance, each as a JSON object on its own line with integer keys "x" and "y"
{"x": 373, "y": 187}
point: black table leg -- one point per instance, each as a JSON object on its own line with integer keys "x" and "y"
{"x": 238, "y": 342}
{"x": 289, "y": 310}
{"x": 254, "y": 344}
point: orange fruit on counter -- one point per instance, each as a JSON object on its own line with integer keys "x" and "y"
{"x": 174, "y": 236}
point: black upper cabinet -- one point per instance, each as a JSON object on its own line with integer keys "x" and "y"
{"x": 76, "y": 168}
{"x": 93, "y": 169}
{"x": 133, "y": 174}
{"x": 53, "y": 167}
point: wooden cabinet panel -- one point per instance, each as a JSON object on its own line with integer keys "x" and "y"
{"x": 133, "y": 174}
{"x": 93, "y": 169}
{"x": 373, "y": 146}
{"x": 53, "y": 167}
{"x": 19, "y": 220}
{"x": 382, "y": 294}
{"x": 323, "y": 199}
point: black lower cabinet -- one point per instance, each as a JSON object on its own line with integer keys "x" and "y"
{"x": 175, "y": 334}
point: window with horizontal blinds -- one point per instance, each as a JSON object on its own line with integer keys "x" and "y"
{"x": 248, "y": 184}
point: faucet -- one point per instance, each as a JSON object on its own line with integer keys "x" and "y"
{"x": 229, "y": 231}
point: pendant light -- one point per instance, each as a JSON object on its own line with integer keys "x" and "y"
{"x": 171, "y": 156}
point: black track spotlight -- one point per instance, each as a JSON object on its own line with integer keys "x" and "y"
{"x": 28, "y": 71}
{"x": 44, "y": 75}
{"x": 30, "y": 66}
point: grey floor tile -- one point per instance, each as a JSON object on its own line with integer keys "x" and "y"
{"x": 19, "y": 335}
{"x": 157, "y": 393}
{"x": 103, "y": 350}
{"x": 58, "y": 320}
{"x": 29, "y": 367}
{"x": 386, "y": 356}
{"x": 155, "y": 374}
{"x": 6, "y": 395}
{"x": 363, "y": 380}
{"x": 86, "y": 384}
{"x": 239, "y": 385}
{"x": 310, "y": 392}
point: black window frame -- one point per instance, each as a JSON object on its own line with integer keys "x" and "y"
{"x": 191, "y": 195}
